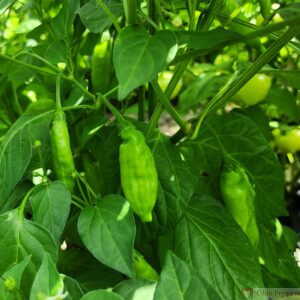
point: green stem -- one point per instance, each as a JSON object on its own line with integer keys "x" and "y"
{"x": 141, "y": 102}
{"x": 209, "y": 15}
{"x": 30, "y": 66}
{"x": 24, "y": 202}
{"x": 50, "y": 73}
{"x": 168, "y": 106}
{"x": 77, "y": 204}
{"x": 58, "y": 85}
{"x": 81, "y": 191}
{"x": 177, "y": 75}
{"x": 243, "y": 38}
{"x": 16, "y": 100}
{"x": 109, "y": 14}
{"x": 233, "y": 87}
{"x": 113, "y": 110}
{"x": 130, "y": 11}
{"x": 79, "y": 200}
{"x": 81, "y": 87}
{"x": 149, "y": 20}
{"x": 46, "y": 62}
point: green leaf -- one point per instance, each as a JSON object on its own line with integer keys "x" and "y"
{"x": 276, "y": 255}
{"x": 95, "y": 19}
{"x": 20, "y": 238}
{"x": 63, "y": 22}
{"x": 206, "y": 40}
{"x": 212, "y": 242}
{"x": 237, "y": 137}
{"x": 180, "y": 281}
{"x": 101, "y": 295}
{"x": 13, "y": 275}
{"x": 145, "y": 56}
{"x": 5, "y": 3}
{"x": 81, "y": 265}
{"x": 290, "y": 77}
{"x": 48, "y": 282}
{"x": 16, "y": 151}
{"x": 108, "y": 231}
{"x": 177, "y": 177}
{"x": 104, "y": 146}
{"x": 281, "y": 103}
{"x": 136, "y": 289}
{"x": 51, "y": 206}
{"x": 73, "y": 288}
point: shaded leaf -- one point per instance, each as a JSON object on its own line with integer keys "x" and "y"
{"x": 108, "y": 231}
{"x": 145, "y": 56}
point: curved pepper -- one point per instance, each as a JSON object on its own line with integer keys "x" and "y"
{"x": 238, "y": 195}
{"x": 138, "y": 173}
{"x": 62, "y": 157}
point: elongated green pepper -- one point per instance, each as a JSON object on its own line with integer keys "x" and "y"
{"x": 138, "y": 173}
{"x": 102, "y": 70}
{"x": 238, "y": 195}
{"x": 62, "y": 157}
{"x": 142, "y": 268}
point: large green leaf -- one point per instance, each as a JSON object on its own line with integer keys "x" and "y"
{"x": 63, "y": 22}
{"x": 276, "y": 255}
{"x": 177, "y": 178}
{"x": 81, "y": 265}
{"x": 93, "y": 16}
{"x": 108, "y": 231}
{"x": 48, "y": 282}
{"x": 104, "y": 177}
{"x": 17, "y": 148}
{"x": 237, "y": 137}
{"x": 51, "y": 204}
{"x": 20, "y": 238}
{"x": 145, "y": 56}
{"x": 181, "y": 281}
{"x": 212, "y": 242}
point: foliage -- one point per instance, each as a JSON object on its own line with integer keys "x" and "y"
{"x": 211, "y": 206}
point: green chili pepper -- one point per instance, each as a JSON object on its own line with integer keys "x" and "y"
{"x": 238, "y": 195}
{"x": 143, "y": 269}
{"x": 102, "y": 71}
{"x": 138, "y": 172}
{"x": 62, "y": 157}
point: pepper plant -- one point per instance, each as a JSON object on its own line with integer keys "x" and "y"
{"x": 137, "y": 159}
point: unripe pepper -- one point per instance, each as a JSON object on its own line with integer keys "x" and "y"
{"x": 102, "y": 71}
{"x": 62, "y": 157}
{"x": 138, "y": 172}
{"x": 143, "y": 269}
{"x": 238, "y": 195}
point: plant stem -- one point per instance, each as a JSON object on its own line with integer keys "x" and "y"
{"x": 141, "y": 102}
{"x": 233, "y": 87}
{"x": 109, "y": 14}
{"x": 180, "y": 68}
{"x": 113, "y": 110}
{"x": 130, "y": 11}
{"x": 58, "y": 85}
{"x": 24, "y": 202}
{"x": 30, "y": 66}
{"x": 168, "y": 106}
{"x": 50, "y": 73}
